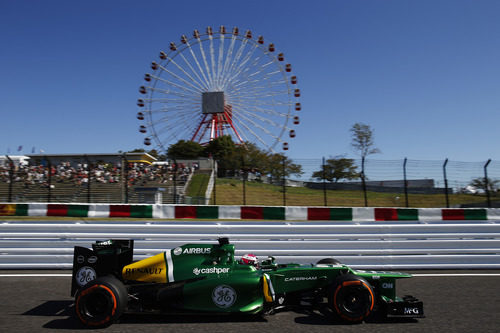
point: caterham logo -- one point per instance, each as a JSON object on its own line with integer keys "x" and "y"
{"x": 300, "y": 278}
{"x": 223, "y": 296}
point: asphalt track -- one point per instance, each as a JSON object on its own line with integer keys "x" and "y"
{"x": 454, "y": 301}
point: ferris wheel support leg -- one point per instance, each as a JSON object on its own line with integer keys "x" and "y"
{"x": 236, "y": 133}
{"x": 198, "y": 128}
{"x": 213, "y": 134}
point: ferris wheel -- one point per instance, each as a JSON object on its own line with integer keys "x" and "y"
{"x": 220, "y": 83}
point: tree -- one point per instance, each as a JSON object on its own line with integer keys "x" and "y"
{"x": 362, "y": 141}
{"x": 251, "y": 157}
{"x": 337, "y": 168}
{"x": 480, "y": 183}
{"x": 223, "y": 149}
{"x": 185, "y": 149}
{"x": 273, "y": 167}
{"x": 232, "y": 158}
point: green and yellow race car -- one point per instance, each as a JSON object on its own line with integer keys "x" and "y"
{"x": 206, "y": 278}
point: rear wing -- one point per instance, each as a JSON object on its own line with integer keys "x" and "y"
{"x": 105, "y": 257}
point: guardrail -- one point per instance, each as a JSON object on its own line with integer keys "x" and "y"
{"x": 363, "y": 245}
{"x": 288, "y": 213}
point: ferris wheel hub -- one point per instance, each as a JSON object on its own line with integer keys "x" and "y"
{"x": 212, "y": 102}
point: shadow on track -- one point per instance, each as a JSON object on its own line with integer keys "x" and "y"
{"x": 70, "y": 322}
{"x": 66, "y": 309}
{"x": 322, "y": 318}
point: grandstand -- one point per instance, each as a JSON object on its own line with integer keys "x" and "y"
{"x": 97, "y": 178}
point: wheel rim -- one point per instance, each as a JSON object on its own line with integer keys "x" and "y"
{"x": 97, "y": 305}
{"x": 354, "y": 301}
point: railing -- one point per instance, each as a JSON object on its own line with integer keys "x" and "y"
{"x": 364, "y": 245}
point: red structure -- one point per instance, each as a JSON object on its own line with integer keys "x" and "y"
{"x": 214, "y": 125}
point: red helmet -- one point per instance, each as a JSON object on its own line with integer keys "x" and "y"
{"x": 250, "y": 259}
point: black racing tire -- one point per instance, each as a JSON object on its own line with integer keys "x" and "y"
{"x": 101, "y": 302}
{"x": 328, "y": 261}
{"x": 351, "y": 299}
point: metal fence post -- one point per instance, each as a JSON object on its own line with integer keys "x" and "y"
{"x": 49, "y": 180}
{"x": 125, "y": 177}
{"x": 405, "y": 183}
{"x": 284, "y": 181}
{"x": 88, "y": 178}
{"x": 324, "y": 182}
{"x": 11, "y": 177}
{"x": 363, "y": 182}
{"x": 175, "y": 181}
{"x": 244, "y": 180}
{"x": 446, "y": 184}
{"x": 486, "y": 183}
{"x": 215, "y": 180}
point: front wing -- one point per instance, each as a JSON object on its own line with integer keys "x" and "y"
{"x": 409, "y": 307}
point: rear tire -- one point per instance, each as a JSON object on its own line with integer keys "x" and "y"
{"x": 351, "y": 299}
{"x": 328, "y": 261}
{"x": 101, "y": 302}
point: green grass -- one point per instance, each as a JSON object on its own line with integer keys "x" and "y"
{"x": 198, "y": 185}
{"x": 230, "y": 192}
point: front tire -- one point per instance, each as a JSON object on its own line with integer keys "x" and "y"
{"x": 101, "y": 302}
{"x": 351, "y": 299}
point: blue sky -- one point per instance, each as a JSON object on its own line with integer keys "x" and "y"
{"x": 423, "y": 74}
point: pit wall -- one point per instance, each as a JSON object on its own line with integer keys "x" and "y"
{"x": 291, "y": 213}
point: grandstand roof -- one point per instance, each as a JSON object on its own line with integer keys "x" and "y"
{"x": 112, "y": 158}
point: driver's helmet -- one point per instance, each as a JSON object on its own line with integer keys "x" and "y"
{"x": 250, "y": 259}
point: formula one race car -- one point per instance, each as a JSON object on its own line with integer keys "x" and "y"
{"x": 207, "y": 278}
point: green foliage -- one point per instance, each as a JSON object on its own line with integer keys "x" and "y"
{"x": 251, "y": 157}
{"x": 185, "y": 149}
{"x": 223, "y": 150}
{"x": 273, "y": 166}
{"x": 337, "y": 168}
{"x": 480, "y": 183}
{"x": 232, "y": 158}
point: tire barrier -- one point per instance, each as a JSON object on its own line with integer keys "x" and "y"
{"x": 289, "y": 213}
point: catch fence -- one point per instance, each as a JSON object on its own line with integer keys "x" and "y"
{"x": 386, "y": 183}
